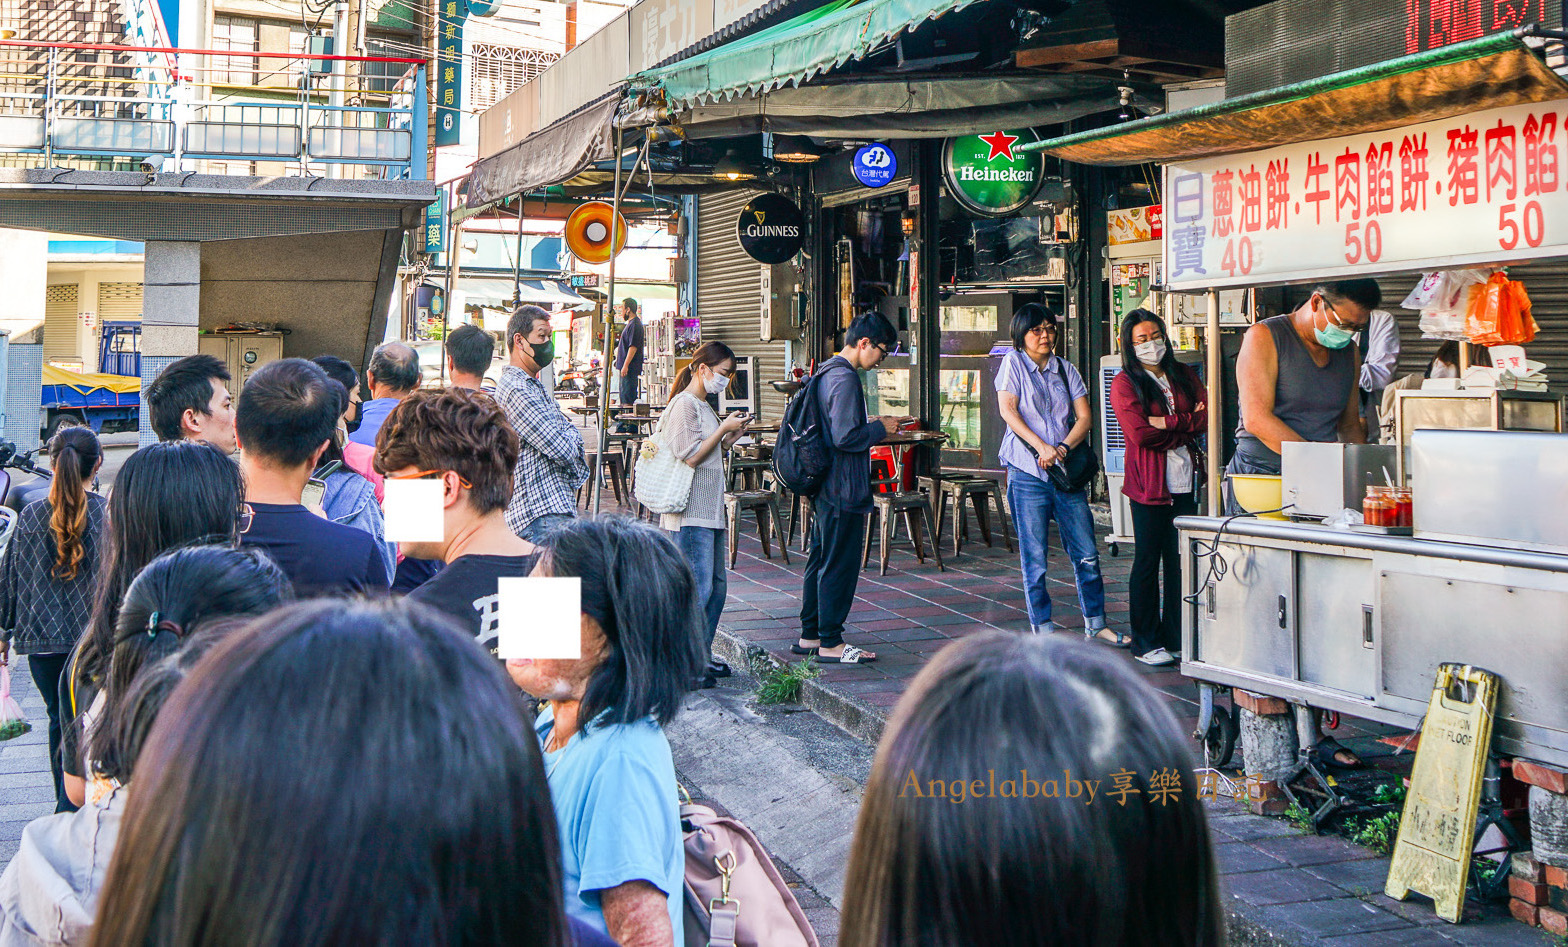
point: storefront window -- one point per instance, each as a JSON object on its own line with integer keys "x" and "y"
{"x": 887, "y": 392}
{"x": 961, "y": 411}
{"x": 969, "y": 318}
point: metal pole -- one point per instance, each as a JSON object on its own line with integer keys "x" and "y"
{"x": 340, "y": 47}
{"x": 609, "y": 324}
{"x": 1212, "y": 378}
{"x": 517, "y": 272}
{"x": 454, "y": 253}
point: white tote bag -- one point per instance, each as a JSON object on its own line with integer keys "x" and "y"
{"x": 663, "y": 480}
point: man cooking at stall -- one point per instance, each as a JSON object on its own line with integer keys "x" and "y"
{"x": 1298, "y": 376}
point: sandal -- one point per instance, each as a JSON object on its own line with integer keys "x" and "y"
{"x": 851, "y": 655}
{"x": 717, "y": 668}
{"x": 1115, "y": 639}
{"x": 1329, "y": 748}
{"x": 797, "y": 649}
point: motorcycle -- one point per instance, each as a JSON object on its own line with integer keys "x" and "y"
{"x": 12, "y": 500}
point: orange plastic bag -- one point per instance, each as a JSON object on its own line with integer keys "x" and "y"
{"x": 1499, "y": 313}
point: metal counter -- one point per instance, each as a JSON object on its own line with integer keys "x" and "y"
{"x": 1359, "y": 622}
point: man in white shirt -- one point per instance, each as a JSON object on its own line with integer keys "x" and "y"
{"x": 1379, "y": 357}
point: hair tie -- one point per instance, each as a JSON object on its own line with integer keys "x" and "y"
{"x": 156, "y": 623}
{"x": 152, "y": 624}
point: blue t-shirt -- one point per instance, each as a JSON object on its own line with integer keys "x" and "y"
{"x": 373, "y": 414}
{"x": 619, "y": 819}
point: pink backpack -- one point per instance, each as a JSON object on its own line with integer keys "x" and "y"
{"x": 735, "y": 897}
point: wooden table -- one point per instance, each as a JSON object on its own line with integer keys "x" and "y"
{"x": 906, "y": 439}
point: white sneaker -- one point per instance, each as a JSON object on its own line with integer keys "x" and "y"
{"x": 1159, "y": 657}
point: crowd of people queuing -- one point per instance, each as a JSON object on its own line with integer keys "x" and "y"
{"x": 346, "y": 758}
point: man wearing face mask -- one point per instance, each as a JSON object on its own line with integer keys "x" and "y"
{"x": 1298, "y": 376}
{"x": 550, "y": 464}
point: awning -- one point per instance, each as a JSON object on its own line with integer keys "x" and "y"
{"x": 555, "y": 153}
{"x": 86, "y": 382}
{"x": 905, "y": 108}
{"x": 794, "y": 51}
{"x": 1473, "y": 76}
{"x": 498, "y": 293}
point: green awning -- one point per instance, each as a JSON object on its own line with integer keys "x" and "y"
{"x": 1491, "y": 72}
{"x": 794, "y": 51}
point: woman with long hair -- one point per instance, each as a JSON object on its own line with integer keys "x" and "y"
{"x": 181, "y": 603}
{"x": 981, "y": 826}
{"x": 610, "y": 770}
{"x": 696, "y": 435}
{"x": 168, "y": 494}
{"x": 348, "y": 496}
{"x": 1163, "y": 411}
{"x": 284, "y": 797}
{"x": 47, "y": 576}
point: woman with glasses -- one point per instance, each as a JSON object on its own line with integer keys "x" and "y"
{"x": 166, "y": 495}
{"x": 695, "y": 434}
{"x": 1046, "y": 406}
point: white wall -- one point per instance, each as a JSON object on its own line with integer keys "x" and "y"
{"x": 24, "y": 266}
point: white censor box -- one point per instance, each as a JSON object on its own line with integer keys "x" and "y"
{"x": 413, "y": 511}
{"x": 539, "y": 618}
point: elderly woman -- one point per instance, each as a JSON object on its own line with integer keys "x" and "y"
{"x": 608, "y": 762}
{"x": 1046, "y": 406}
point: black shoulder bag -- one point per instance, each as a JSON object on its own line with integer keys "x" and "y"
{"x": 1073, "y": 472}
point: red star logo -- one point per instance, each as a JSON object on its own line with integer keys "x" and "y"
{"x": 1001, "y": 144}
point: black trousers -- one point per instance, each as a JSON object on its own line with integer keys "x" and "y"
{"x": 1156, "y": 617}
{"x": 46, "y": 670}
{"x": 832, "y": 572}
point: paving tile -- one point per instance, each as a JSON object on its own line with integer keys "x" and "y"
{"x": 1312, "y": 849}
{"x": 1339, "y": 916}
{"x": 1361, "y": 878}
{"x": 1279, "y": 886}
{"x": 1233, "y": 858}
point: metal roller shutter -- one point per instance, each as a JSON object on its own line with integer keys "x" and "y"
{"x": 1547, "y": 283}
{"x": 60, "y": 324}
{"x": 729, "y": 288}
{"x": 119, "y": 302}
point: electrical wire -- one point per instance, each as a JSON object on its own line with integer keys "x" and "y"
{"x": 1218, "y": 567}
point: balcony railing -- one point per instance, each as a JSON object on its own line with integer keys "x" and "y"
{"x": 202, "y": 110}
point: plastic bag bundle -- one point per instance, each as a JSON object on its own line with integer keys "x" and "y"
{"x": 1443, "y": 298}
{"x": 1499, "y": 313}
{"x": 13, "y": 723}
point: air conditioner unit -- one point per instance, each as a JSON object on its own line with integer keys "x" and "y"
{"x": 1115, "y": 458}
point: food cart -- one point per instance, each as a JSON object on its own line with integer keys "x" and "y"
{"x": 1440, "y": 160}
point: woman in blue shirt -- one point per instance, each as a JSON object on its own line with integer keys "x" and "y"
{"x": 608, "y": 763}
{"x": 1037, "y": 392}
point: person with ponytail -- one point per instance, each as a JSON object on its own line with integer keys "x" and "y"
{"x": 697, "y": 436}
{"x": 1163, "y": 411}
{"x": 48, "y": 574}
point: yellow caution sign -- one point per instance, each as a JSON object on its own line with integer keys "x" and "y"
{"x": 1437, "y": 831}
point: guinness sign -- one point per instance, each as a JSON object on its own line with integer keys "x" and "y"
{"x": 771, "y": 228}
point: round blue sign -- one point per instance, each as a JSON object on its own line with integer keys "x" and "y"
{"x": 875, "y": 165}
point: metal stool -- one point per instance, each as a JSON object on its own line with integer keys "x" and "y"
{"x": 885, "y": 507}
{"x": 615, "y": 472}
{"x": 981, "y": 492}
{"x": 766, "y": 505}
{"x": 799, "y": 515}
{"x": 748, "y": 470}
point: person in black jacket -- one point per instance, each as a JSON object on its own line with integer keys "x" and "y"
{"x": 839, "y": 510}
{"x": 48, "y": 576}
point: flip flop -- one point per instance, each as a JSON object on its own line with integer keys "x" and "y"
{"x": 1326, "y": 749}
{"x": 851, "y": 655}
{"x": 797, "y": 649}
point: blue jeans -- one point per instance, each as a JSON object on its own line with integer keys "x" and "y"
{"x": 546, "y": 525}
{"x": 705, "y": 548}
{"x": 1035, "y": 503}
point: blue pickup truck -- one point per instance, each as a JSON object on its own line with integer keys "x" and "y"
{"x": 106, "y": 401}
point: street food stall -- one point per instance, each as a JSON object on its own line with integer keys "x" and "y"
{"x": 1457, "y": 551}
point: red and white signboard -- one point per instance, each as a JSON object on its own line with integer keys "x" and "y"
{"x": 1488, "y": 187}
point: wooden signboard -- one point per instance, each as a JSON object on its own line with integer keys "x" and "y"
{"x": 1437, "y": 831}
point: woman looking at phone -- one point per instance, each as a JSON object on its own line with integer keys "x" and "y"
{"x": 696, "y": 435}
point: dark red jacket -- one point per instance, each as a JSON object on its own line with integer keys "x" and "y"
{"x": 1146, "y": 445}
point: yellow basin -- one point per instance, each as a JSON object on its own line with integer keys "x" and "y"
{"x": 1255, "y": 492}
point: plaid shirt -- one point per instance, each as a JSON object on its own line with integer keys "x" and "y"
{"x": 550, "y": 464}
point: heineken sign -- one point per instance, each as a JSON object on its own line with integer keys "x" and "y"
{"x": 771, "y": 228}
{"x": 988, "y": 174}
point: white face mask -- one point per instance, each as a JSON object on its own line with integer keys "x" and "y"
{"x": 716, "y": 383}
{"x": 1151, "y": 352}
{"x": 1444, "y": 370}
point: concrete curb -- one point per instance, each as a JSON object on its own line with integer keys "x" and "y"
{"x": 860, "y": 720}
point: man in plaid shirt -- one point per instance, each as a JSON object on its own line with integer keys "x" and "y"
{"x": 550, "y": 464}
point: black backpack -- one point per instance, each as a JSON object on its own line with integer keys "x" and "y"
{"x": 802, "y": 455}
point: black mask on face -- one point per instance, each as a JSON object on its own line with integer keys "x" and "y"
{"x": 542, "y": 353}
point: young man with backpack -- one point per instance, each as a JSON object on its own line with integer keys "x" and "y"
{"x": 831, "y": 442}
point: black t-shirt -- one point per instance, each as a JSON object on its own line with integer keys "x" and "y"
{"x": 319, "y": 556}
{"x": 467, "y": 590}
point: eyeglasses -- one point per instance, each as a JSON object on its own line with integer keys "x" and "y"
{"x": 1333, "y": 316}
{"x": 1042, "y": 329}
{"x": 432, "y": 473}
{"x": 244, "y": 518}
